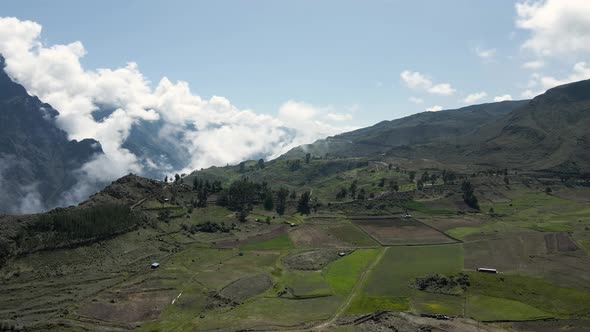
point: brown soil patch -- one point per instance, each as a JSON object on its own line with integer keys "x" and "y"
{"x": 559, "y": 242}
{"x": 261, "y": 235}
{"x": 130, "y": 308}
{"x": 311, "y": 260}
{"x": 245, "y": 288}
{"x": 344, "y": 235}
{"x": 397, "y": 231}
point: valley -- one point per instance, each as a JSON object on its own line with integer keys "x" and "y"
{"x": 348, "y": 264}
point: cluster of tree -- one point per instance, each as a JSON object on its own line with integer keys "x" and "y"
{"x": 469, "y": 195}
{"x": 243, "y": 194}
{"x": 448, "y": 176}
{"x": 204, "y": 189}
{"x": 207, "y": 227}
{"x": 84, "y": 224}
{"x": 293, "y": 165}
{"x": 240, "y": 195}
{"x": 441, "y": 284}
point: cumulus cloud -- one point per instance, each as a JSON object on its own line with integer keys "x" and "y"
{"x": 416, "y": 100}
{"x": 418, "y": 81}
{"x": 339, "y": 117}
{"x": 415, "y": 80}
{"x": 538, "y": 83}
{"x": 502, "y": 98}
{"x": 211, "y": 131}
{"x": 435, "y": 108}
{"x": 485, "y": 54}
{"x": 535, "y": 64}
{"x": 474, "y": 97}
{"x": 443, "y": 89}
{"x": 557, "y": 27}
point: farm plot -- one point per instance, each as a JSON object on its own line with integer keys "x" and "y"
{"x": 344, "y": 235}
{"x": 398, "y": 231}
{"x": 551, "y": 256}
{"x": 389, "y": 286}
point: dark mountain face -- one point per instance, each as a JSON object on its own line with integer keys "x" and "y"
{"x": 548, "y": 133}
{"x": 413, "y": 130}
{"x": 37, "y": 160}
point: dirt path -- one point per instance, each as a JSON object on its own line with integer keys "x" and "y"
{"x": 357, "y": 287}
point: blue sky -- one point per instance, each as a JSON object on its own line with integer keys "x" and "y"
{"x": 347, "y": 55}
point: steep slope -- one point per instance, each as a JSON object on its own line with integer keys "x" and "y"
{"x": 36, "y": 158}
{"x": 550, "y": 132}
{"x": 416, "y": 129}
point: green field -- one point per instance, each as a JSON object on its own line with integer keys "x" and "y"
{"x": 401, "y": 265}
{"x": 280, "y": 242}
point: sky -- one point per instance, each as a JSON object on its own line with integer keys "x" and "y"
{"x": 236, "y": 80}
{"x": 347, "y": 55}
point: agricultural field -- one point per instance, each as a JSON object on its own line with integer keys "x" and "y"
{"x": 341, "y": 262}
{"x": 401, "y": 231}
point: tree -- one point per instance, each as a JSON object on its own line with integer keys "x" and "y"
{"x": 352, "y": 189}
{"x": 433, "y": 178}
{"x": 381, "y": 182}
{"x": 176, "y": 177}
{"x": 548, "y": 190}
{"x": 242, "y": 215}
{"x": 293, "y": 195}
{"x": 166, "y": 179}
{"x": 394, "y": 186}
{"x": 242, "y": 167}
{"x": 282, "y": 195}
{"x": 469, "y": 195}
{"x": 303, "y": 206}
{"x": 362, "y": 194}
{"x": 342, "y": 193}
{"x": 448, "y": 176}
{"x": 506, "y": 180}
{"x": 420, "y": 184}
{"x": 412, "y": 175}
{"x": 268, "y": 201}
{"x": 307, "y": 158}
{"x": 389, "y": 166}
{"x": 261, "y": 163}
{"x": 425, "y": 177}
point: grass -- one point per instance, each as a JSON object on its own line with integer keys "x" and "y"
{"x": 367, "y": 304}
{"x": 560, "y": 302}
{"x": 306, "y": 283}
{"x": 488, "y": 308}
{"x": 342, "y": 274}
{"x": 434, "y": 303}
{"x": 281, "y": 242}
{"x": 401, "y": 265}
{"x": 425, "y": 209}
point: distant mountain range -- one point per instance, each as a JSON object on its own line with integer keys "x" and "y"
{"x": 547, "y": 133}
{"x": 37, "y": 160}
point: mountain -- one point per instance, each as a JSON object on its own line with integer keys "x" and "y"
{"x": 37, "y": 160}
{"x": 547, "y": 133}
{"x": 416, "y": 129}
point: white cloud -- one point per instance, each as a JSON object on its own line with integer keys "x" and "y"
{"x": 474, "y": 97}
{"x": 415, "y": 80}
{"x": 557, "y": 27}
{"x": 443, "y": 89}
{"x": 536, "y": 64}
{"x": 418, "y": 81}
{"x": 540, "y": 83}
{"x": 416, "y": 100}
{"x": 212, "y": 131}
{"x": 485, "y": 54}
{"x": 339, "y": 116}
{"x": 435, "y": 108}
{"x": 502, "y": 98}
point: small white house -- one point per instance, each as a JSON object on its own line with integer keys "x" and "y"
{"x": 486, "y": 270}
{"x": 155, "y": 265}
{"x": 342, "y": 254}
